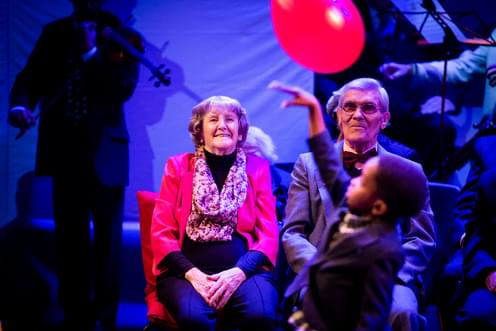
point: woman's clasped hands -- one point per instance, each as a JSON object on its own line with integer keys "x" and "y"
{"x": 216, "y": 289}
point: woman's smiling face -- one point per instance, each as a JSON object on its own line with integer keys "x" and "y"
{"x": 220, "y": 131}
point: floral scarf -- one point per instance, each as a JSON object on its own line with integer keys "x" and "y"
{"x": 214, "y": 215}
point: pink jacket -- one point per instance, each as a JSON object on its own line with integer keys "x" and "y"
{"x": 256, "y": 218}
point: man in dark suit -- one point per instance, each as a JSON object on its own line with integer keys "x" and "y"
{"x": 476, "y": 212}
{"x": 309, "y": 209}
{"x": 83, "y": 145}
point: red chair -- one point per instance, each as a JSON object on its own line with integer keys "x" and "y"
{"x": 157, "y": 314}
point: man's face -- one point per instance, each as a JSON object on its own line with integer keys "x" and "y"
{"x": 362, "y": 191}
{"x": 360, "y": 118}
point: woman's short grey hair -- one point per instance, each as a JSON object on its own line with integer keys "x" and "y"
{"x": 199, "y": 111}
{"x": 260, "y": 143}
{"x": 364, "y": 84}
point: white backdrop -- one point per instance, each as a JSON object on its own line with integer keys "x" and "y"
{"x": 213, "y": 47}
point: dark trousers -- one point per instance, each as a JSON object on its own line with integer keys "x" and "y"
{"x": 253, "y": 306}
{"x": 88, "y": 270}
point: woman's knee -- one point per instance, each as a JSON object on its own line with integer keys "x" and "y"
{"x": 189, "y": 309}
{"x": 259, "y": 320}
{"x": 261, "y": 315}
{"x": 194, "y": 321}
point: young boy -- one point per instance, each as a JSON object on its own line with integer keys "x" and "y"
{"x": 348, "y": 283}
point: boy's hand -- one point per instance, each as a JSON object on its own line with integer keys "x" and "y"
{"x": 300, "y": 96}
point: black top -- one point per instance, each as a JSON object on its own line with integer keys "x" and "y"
{"x": 219, "y": 166}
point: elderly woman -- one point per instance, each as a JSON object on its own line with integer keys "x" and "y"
{"x": 214, "y": 231}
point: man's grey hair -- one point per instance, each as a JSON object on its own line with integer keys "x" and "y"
{"x": 364, "y": 84}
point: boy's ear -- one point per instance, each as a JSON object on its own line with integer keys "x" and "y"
{"x": 379, "y": 208}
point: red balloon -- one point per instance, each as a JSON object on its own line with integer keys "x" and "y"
{"x": 326, "y": 36}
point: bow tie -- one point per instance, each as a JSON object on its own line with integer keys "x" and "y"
{"x": 356, "y": 161}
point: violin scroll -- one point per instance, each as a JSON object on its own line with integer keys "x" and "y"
{"x": 161, "y": 75}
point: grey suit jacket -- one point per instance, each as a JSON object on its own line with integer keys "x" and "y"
{"x": 310, "y": 209}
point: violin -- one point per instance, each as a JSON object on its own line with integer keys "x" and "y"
{"x": 121, "y": 43}
{"x": 132, "y": 47}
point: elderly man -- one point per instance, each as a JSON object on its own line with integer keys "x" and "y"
{"x": 362, "y": 112}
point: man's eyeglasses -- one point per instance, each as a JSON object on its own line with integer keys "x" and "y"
{"x": 367, "y": 108}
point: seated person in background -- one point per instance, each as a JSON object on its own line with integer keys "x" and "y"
{"x": 463, "y": 69}
{"x": 214, "y": 233}
{"x": 348, "y": 283}
{"x": 424, "y": 78}
{"x": 482, "y": 159}
{"x": 260, "y": 143}
{"x": 362, "y": 112}
{"x": 426, "y": 118}
{"x": 478, "y": 311}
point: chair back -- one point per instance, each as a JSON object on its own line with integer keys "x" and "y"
{"x": 157, "y": 314}
{"x": 443, "y": 199}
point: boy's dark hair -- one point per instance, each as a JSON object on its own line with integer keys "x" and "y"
{"x": 402, "y": 185}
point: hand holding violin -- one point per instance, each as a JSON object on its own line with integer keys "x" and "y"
{"x": 22, "y": 118}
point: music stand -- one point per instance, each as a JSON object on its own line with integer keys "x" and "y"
{"x": 424, "y": 15}
{"x": 435, "y": 25}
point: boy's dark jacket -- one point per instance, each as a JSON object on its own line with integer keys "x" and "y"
{"x": 349, "y": 285}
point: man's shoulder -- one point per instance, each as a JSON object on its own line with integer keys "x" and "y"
{"x": 384, "y": 151}
{"x": 308, "y": 158}
{"x": 305, "y": 161}
{"x": 397, "y": 148}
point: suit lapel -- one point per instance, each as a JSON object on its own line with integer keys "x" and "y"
{"x": 329, "y": 208}
{"x": 325, "y": 197}
{"x": 381, "y": 150}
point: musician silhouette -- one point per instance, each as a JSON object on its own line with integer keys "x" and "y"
{"x": 83, "y": 144}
